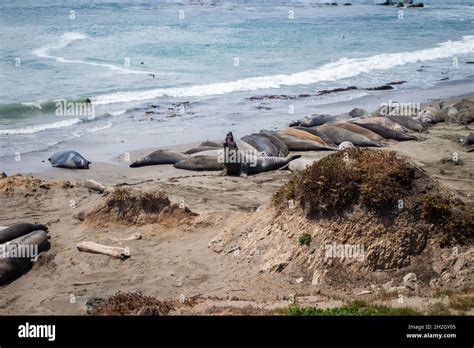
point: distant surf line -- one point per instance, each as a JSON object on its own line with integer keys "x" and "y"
{"x": 340, "y": 69}
{"x": 66, "y": 39}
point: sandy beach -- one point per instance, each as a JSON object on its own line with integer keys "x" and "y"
{"x": 192, "y": 260}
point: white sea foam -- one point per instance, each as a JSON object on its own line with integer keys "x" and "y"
{"x": 66, "y": 39}
{"x": 341, "y": 69}
{"x": 117, "y": 113}
{"x": 98, "y": 128}
{"x": 41, "y": 127}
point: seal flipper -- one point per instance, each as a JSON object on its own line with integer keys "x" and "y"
{"x": 292, "y": 158}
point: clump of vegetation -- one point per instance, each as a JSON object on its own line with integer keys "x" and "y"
{"x": 439, "y": 308}
{"x": 436, "y": 209}
{"x": 287, "y": 192}
{"x": 357, "y": 308}
{"x": 305, "y": 239}
{"x": 374, "y": 179}
{"x": 462, "y": 302}
{"x": 125, "y": 205}
{"x": 132, "y": 303}
{"x": 457, "y": 222}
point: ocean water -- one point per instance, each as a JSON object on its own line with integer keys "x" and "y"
{"x": 159, "y": 67}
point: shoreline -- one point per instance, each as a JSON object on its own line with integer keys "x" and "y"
{"x": 99, "y": 149}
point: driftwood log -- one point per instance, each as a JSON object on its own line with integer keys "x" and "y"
{"x": 91, "y": 185}
{"x": 96, "y": 248}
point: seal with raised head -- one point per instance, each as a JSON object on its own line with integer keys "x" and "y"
{"x": 237, "y": 162}
{"x": 159, "y": 157}
{"x": 338, "y": 135}
{"x": 18, "y": 230}
{"x": 69, "y": 159}
{"x": 12, "y": 267}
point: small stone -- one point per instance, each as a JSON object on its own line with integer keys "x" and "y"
{"x": 300, "y": 280}
{"x": 409, "y": 280}
{"x": 317, "y": 278}
{"x": 388, "y": 285}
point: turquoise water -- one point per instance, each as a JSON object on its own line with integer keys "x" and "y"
{"x": 207, "y": 59}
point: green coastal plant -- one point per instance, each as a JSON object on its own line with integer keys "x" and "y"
{"x": 357, "y": 308}
{"x": 305, "y": 239}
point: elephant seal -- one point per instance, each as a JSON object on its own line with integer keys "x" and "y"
{"x": 464, "y": 104}
{"x": 387, "y": 133}
{"x": 200, "y": 163}
{"x": 230, "y": 149}
{"x": 346, "y": 145}
{"x": 302, "y": 135}
{"x": 362, "y": 131}
{"x": 450, "y": 113}
{"x": 159, "y": 157}
{"x": 465, "y": 116}
{"x": 212, "y": 153}
{"x": 262, "y": 144}
{"x": 246, "y": 147}
{"x": 250, "y": 165}
{"x": 210, "y": 143}
{"x": 359, "y": 113}
{"x": 338, "y": 135}
{"x": 13, "y": 266}
{"x": 200, "y": 149}
{"x": 282, "y": 147}
{"x": 426, "y": 116}
{"x": 295, "y": 144}
{"x": 69, "y": 159}
{"x": 469, "y": 140}
{"x": 18, "y": 230}
{"x": 431, "y": 112}
{"x": 318, "y": 120}
{"x": 409, "y": 122}
{"x": 239, "y": 163}
{"x": 314, "y": 131}
{"x": 384, "y": 122}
